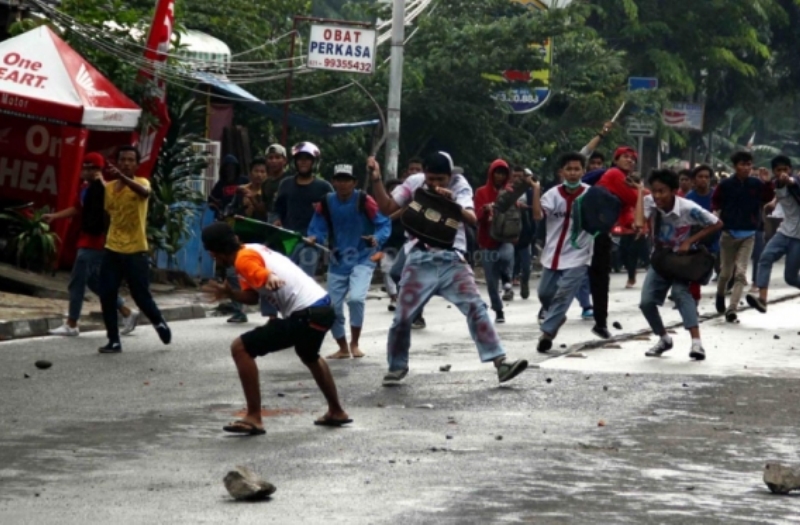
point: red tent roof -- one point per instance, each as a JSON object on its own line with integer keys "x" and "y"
{"x": 41, "y": 76}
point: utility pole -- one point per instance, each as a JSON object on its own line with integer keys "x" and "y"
{"x": 395, "y": 89}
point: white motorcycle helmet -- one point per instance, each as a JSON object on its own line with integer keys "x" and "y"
{"x": 308, "y": 148}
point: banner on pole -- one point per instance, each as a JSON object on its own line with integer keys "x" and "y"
{"x": 684, "y": 115}
{"x": 341, "y": 48}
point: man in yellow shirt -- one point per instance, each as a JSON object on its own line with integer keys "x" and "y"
{"x": 126, "y": 252}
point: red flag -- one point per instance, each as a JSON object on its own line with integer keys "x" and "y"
{"x": 156, "y": 125}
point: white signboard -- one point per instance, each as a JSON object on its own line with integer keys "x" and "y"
{"x": 684, "y": 116}
{"x": 340, "y": 48}
{"x": 641, "y": 128}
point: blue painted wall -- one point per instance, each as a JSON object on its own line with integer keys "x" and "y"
{"x": 192, "y": 258}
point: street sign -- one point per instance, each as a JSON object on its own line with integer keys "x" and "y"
{"x": 341, "y": 48}
{"x": 640, "y": 128}
{"x": 684, "y": 115}
{"x": 640, "y": 83}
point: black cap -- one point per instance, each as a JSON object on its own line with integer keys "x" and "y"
{"x": 439, "y": 162}
{"x": 219, "y": 238}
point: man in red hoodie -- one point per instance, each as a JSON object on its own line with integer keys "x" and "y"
{"x": 618, "y": 182}
{"x": 497, "y": 258}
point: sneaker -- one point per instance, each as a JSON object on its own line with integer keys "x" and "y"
{"x": 588, "y": 314}
{"x": 508, "y": 371}
{"x": 661, "y": 347}
{"x": 419, "y": 323}
{"x": 110, "y": 348}
{"x": 66, "y": 330}
{"x": 164, "y": 333}
{"x": 720, "y": 304}
{"x": 757, "y": 303}
{"x": 731, "y": 317}
{"x": 392, "y": 305}
{"x": 500, "y": 317}
{"x": 697, "y": 353}
{"x": 544, "y": 345}
{"x": 508, "y": 293}
{"x": 524, "y": 290}
{"x": 395, "y": 378}
{"x": 129, "y": 323}
{"x": 238, "y": 318}
{"x": 601, "y": 332}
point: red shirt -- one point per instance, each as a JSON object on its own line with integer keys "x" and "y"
{"x": 92, "y": 242}
{"x": 614, "y": 180}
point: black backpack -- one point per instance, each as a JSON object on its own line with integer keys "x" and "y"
{"x": 595, "y": 211}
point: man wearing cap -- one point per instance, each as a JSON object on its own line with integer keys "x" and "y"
{"x": 618, "y": 182}
{"x": 349, "y": 222}
{"x": 276, "y": 171}
{"x": 224, "y": 191}
{"x": 433, "y": 271}
{"x": 307, "y": 317}
{"x": 89, "y": 205}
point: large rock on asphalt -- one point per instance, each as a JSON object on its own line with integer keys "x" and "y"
{"x": 780, "y": 479}
{"x": 245, "y": 485}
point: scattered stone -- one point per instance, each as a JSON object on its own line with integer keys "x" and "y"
{"x": 380, "y": 405}
{"x": 549, "y": 379}
{"x": 366, "y": 482}
{"x": 587, "y": 378}
{"x": 781, "y": 479}
{"x": 605, "y": 388}
{"x": 563, "y": 346}
{"x": 776, "y": 336}
{"x": 42, "y": 364}
{"x": 147, "y": 383}
{"x": 27, "y": 376}
{"x": 449, "y": 305}
{"x": 685, "y": 385}
{"x": 425, "y": 405}
{"x": 578, "y": 355}
{"x": 445, "y": 368}
{"x": 392, "y": 461}
{"x": 37, "y": 494}
{"x": 499, "y": 438}
{"x": 245, "y": 485}
{"x": 448, "y": 436}
{"x": 601, "y": 423}
{"x": 281, "y": 394}
{"x": 617, "y": 325}
{"x": 689, "y": 488}
{"x": 434, "y": 449}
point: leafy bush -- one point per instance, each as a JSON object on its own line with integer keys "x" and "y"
{"x": 35, "y": 247}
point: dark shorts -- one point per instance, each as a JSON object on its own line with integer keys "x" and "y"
{"x": 304, "y": 330}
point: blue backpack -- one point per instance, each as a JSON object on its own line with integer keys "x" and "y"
{"x": 593, "y": 177}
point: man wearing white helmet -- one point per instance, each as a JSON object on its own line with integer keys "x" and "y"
{"x": 294, "y": 203}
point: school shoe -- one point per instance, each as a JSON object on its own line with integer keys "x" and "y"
{"x": 500, "y": 317}
{"x": 508, "y": 292}
{"x": 545, "y": 344}
{"x": 110, "y": 348}
{"x": 129, "y": 323}
{"x": 587, "y": 314}
{"x": 659, "y": 349}
{"x": 697, "y": 353}
{"x": 238, "y": 318}
{"x": 524, "y": 290}
{"x": 720, "y": 303}
{"x": 508, "y": 371}
{"x": 392, "y": 305}
{"x": 164, "y": 333}
{"x": 731, "y": 317}
{"x": 419, "y": 323}
{"x": 757, "y": 303}
{"x": 601, "y": 332}
{"x": 395, "y": 378}
{"x": 66, "y": 330}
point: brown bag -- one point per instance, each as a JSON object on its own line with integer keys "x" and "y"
{"x": 433, "y": 219}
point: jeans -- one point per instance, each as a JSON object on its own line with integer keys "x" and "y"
{"x": 397, "y": 272}
{"x": 135, "y": 269}
{"x": 522, "y": 262}
{"x": 654, "y": 292}
{"x": 233, "y": 280}
{"x": 355, "y": 287}
{"x": 600, "y": 278}
{"x": 497, "y": 266}
{"x": 389, "y": 257}
{"x": 758, "y": 249}
{"x": 557, "y": 289}
{"x": 778, "y": 246}
{"x": 734, "y": 257}
{"x": 584, "y": 294}
{"x": 307, "y": 258}
{"x": 439, "y": 273}
{"x": 85, "y": 272}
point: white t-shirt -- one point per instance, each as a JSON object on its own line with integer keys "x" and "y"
{"x": 558, "y": 252}
{"x": 777, "y": 213}
{"x": 462, "y": 195}
{"x": 676, "y": 224}
{"x": 299, "y": 290}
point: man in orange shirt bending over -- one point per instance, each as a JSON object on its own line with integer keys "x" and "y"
{"x": 307, "y": 315}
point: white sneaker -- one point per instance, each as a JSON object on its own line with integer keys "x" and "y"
{"x": 129, "y": 323}
{"x": 66, "y": 330}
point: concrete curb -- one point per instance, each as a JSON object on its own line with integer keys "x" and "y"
{"x": 600, "y": 343}
{"x": 24, "y": 328}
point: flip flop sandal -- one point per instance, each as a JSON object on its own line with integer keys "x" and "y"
{"x": 328, "y": 422}
{"x": 244, "y": 427}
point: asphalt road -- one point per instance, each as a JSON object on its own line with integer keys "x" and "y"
{"x": 611, "y": 437}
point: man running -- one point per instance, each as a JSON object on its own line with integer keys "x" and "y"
{"x": 307, "y": 317}
{"x": 786, "y": 241}
{"x": 433, "y": 271}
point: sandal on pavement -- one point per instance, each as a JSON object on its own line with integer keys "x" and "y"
{"x": 326, "y": 421}
{"x": 244, "y": 427}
